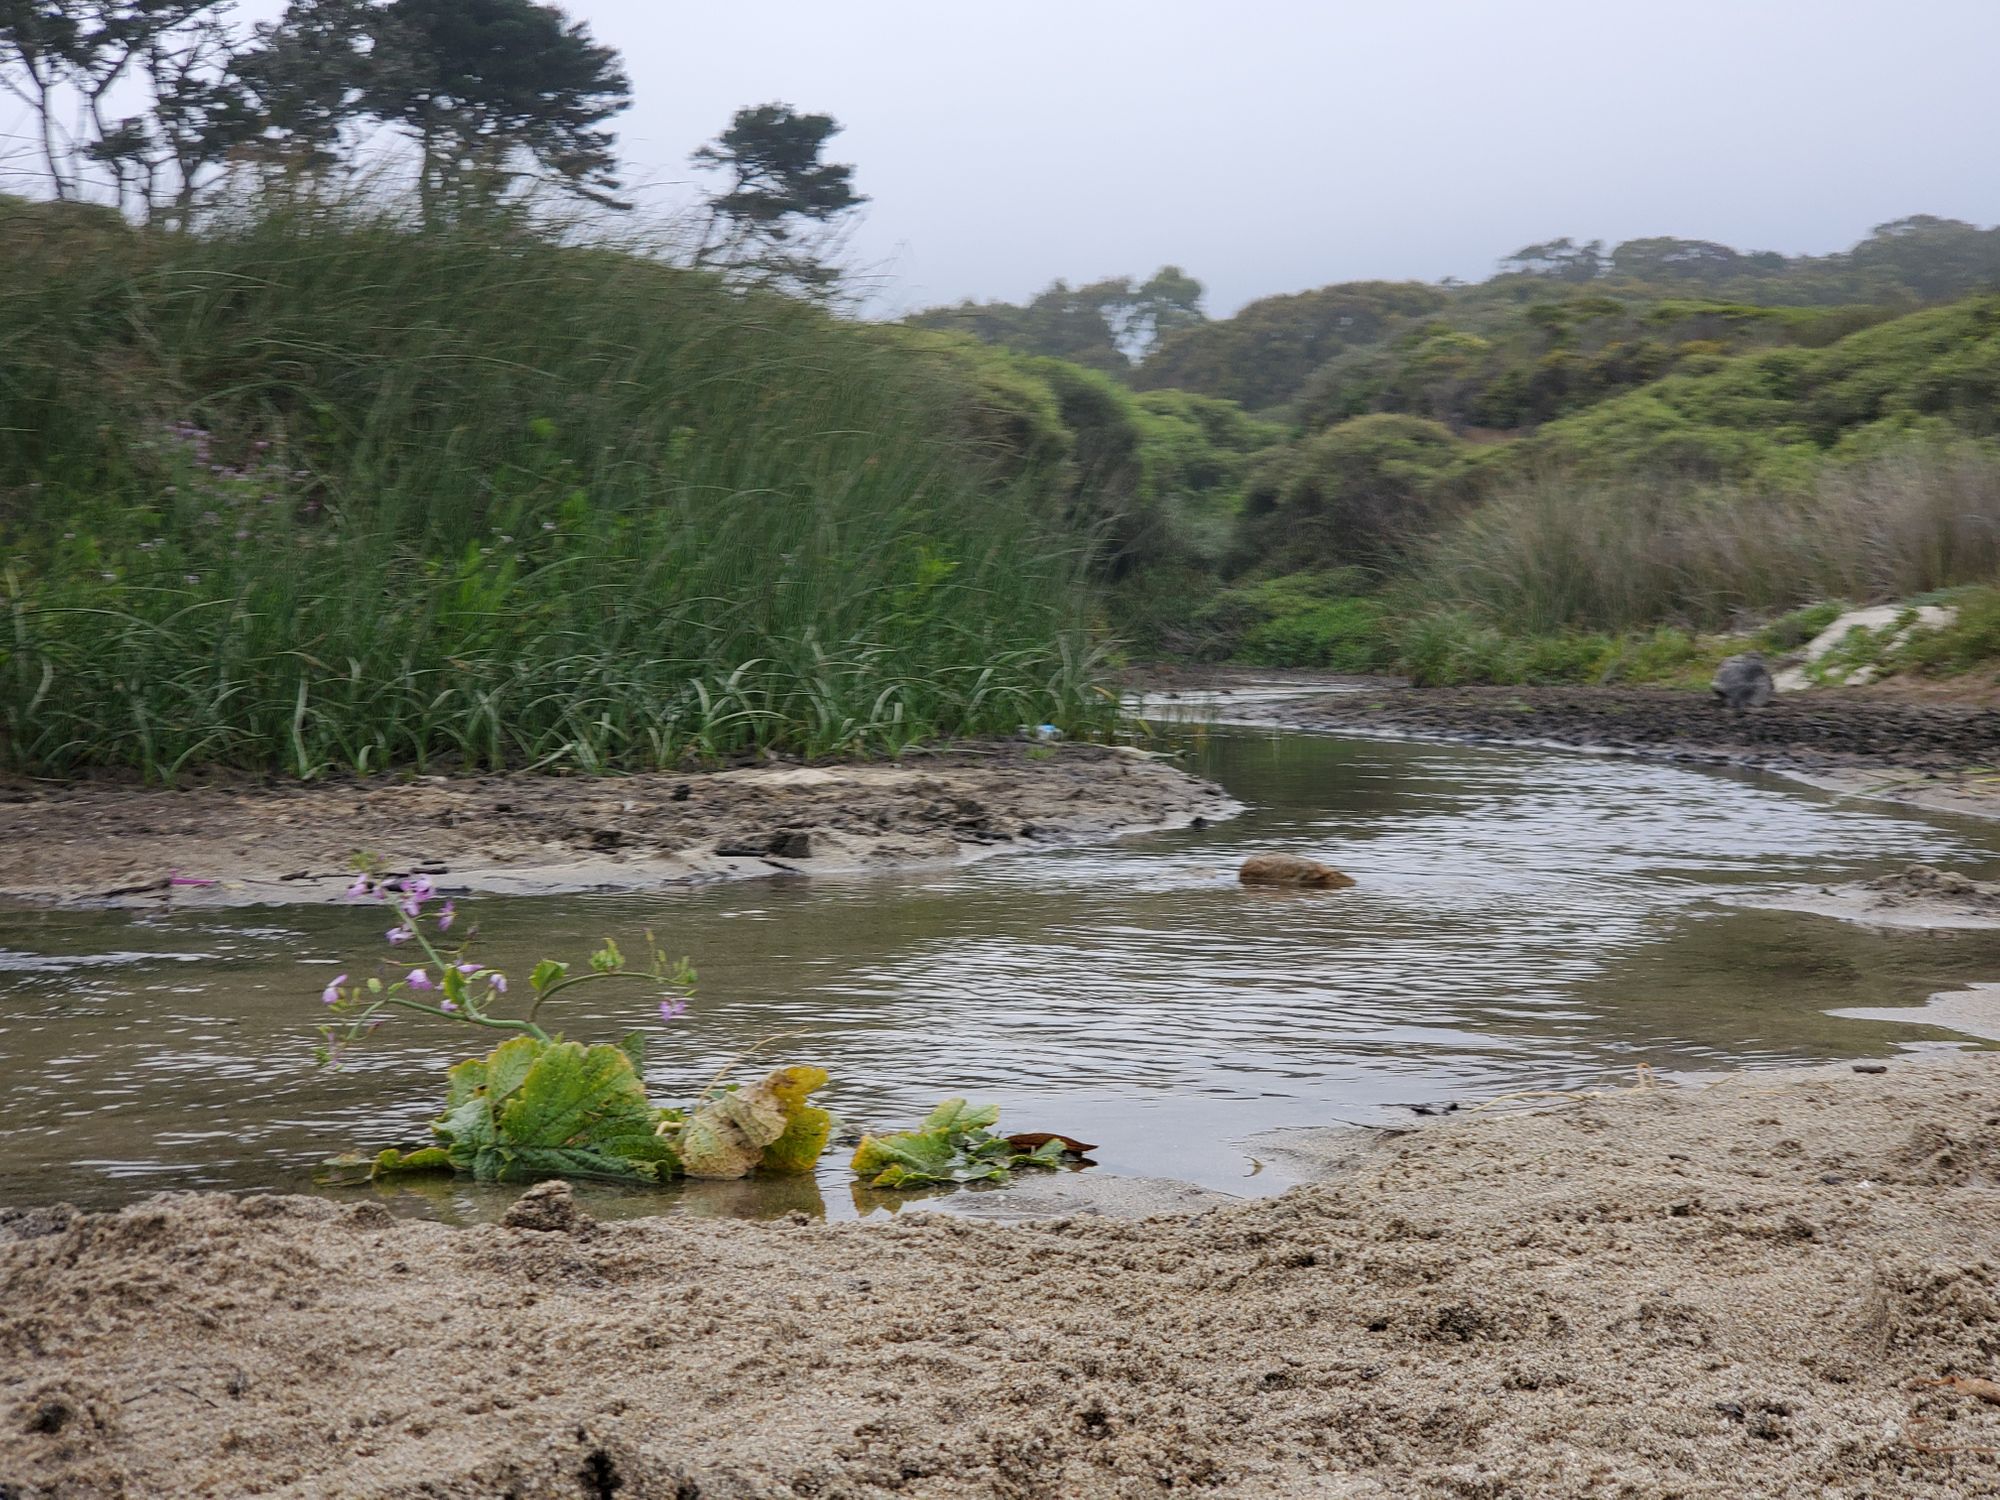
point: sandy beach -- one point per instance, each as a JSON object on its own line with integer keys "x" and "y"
{"x": 1753, "y": 1289}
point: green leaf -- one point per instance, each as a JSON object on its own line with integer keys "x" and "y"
{"x": 633, "y": 1045}
{"x": 572, "y": 1095}
{"x": 462, "y": 1081}
{"x": 956, "y": 1116}
{"x": 927, "y": 1153}
{"x": 955, "y": 1144}
{"x": 509, "y": 1064}
{"x": 534, "y": 1163}
{"x": 547, "y": 972}
{"x": 466, "y": 1130}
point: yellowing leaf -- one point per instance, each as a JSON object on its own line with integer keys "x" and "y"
{"x": 726, "y": 1137}
{"x": 806, "y": 1125}
{"x": 730, "y": 1135}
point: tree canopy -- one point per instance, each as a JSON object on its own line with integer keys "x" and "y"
{"x": 1103, "y": 325}
{"x": 775, "y": 220}
{"x": 493, "y": 93}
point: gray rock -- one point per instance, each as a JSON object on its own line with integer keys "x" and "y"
{"x": 1744, "y": 681}
{"x": 549, "y": 1207}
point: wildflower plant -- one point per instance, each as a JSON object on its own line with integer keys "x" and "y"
{"x": 541, "y": 1106}
{"x": 538, "y": 1105}
{"x": 444, "y": 983}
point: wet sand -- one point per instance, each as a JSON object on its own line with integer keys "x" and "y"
{"x": 1744, "y": 1290}
{"x": 223, "y": 842}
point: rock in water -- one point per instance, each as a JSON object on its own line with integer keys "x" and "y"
{"x": 1290, "y": 869}
{"x": 1744, "y": 681}
{"x": 549, "y": 1207}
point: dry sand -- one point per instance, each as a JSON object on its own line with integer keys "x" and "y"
{"x": 232, "y": 843}
{"x": 1735, "y": 1291}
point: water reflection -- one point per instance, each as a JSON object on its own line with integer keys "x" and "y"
{"x": 1522, "y": 920}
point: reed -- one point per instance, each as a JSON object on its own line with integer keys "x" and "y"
{"x": 1568, "y": 555}
{"x": 318, "y": 492}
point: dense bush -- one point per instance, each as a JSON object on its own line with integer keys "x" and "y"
{"x": 1360, "y": 494}
{"x": 1262, "y": 357}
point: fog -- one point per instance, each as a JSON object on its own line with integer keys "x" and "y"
{"x": 1273, "y": 146}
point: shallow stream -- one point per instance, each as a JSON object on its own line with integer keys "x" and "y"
{"x": 1522, "y": 920}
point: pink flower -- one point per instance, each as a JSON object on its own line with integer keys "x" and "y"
{"x": 419, "y": 980}
{"x": 446, "y": 1005}
{"x": 331, "y": 994}
{"x": 468, "y": 969}
{"x": 357, "y": 890}
{"x": 498, "y": 981}
{"x": 447, "y": 914}
{"x": 671, "y": 1010}
{"x": 398, "y": 935}
{"x": 416, "y": 891}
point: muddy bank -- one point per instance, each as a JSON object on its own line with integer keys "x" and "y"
{"x": 1833, "y": 728}
{"x": 1737, "y": 1291}
{"x": 221, "y": 844}
{"x": 1939, "y": 755}
{"x": 1918, "y": 896}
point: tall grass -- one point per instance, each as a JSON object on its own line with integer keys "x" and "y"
{"x": 316, "y": 492}
{"x": 1564, "y": 555}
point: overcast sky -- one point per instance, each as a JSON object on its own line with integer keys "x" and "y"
{"x": 1272, "y": 145}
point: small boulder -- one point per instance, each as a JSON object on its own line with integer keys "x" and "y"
{"x": 1291, "y": 869}
{"x": 1744, "y": 682}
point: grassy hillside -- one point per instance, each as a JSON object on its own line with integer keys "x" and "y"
{"x": 316, "y": 493}
{"x": 308, "y": 494}
{"x": 1666, "y": 435}
{"x": 1726, "y": 489}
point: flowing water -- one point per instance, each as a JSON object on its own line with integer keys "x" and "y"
{"x": 1523, "y": 920}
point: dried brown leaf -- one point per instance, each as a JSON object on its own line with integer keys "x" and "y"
{"x": 1034, "y": 1140}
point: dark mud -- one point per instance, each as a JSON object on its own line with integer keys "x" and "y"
{"x": 1806, "y": 732}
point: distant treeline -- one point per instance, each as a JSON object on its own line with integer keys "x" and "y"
{"x": 1667, "y": 435}
{"x": 1548, "y": 298}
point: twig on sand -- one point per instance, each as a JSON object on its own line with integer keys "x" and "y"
{"x": 1966, "y": 1385}
{"x": 1910, "y": 1427}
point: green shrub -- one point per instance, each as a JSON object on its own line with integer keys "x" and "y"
{"x": 1666, "y": 657}
{"x": 1794, "y": 629}
{"x": 1971, "y": 641}
{"x": 1359, "y": 494}
{"x": 1340, "y": 635}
